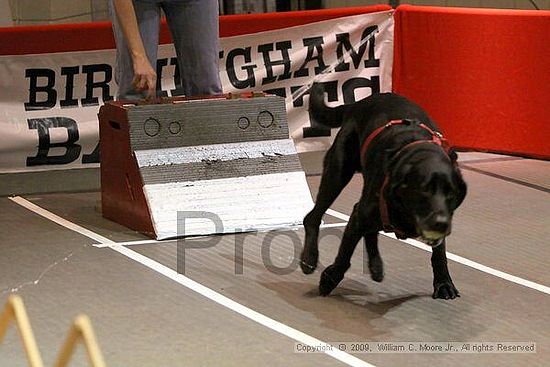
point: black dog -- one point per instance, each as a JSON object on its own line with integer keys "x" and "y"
{"x": 412, "y": 183}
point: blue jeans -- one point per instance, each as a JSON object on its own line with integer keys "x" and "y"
{"x": 194, "y": 28}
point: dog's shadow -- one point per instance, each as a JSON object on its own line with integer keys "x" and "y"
{"x": 363, "y": 309}
{"x": 351, "y": 308}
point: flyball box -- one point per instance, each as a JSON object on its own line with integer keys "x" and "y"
{"x": 183, "y": 167}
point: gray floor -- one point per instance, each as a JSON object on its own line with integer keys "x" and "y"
{"x": 143, "y": 318}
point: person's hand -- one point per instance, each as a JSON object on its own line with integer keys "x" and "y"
{"x": 145, "y": 77}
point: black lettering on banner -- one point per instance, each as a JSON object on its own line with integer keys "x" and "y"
{"x": 47, "y": 88}
{"x": 92, "y": 157}
{"x": 298, "y": 101}
{"x": 367, "y": 38}
{"x": 350, "y": 85}
{"x": 314, "y": 45}
{"x": 250, "y": 81}
{"x": 69, "y": 72}
{"x": 316, "y": 129}
{"x": 90, "y": 71}
{"x": 178, "y": 90}
{"x": 281, "y": 92}
{"x": 43, "y": 126}
{"x": 283, "y": 47}
{"x": 161, "y": 63}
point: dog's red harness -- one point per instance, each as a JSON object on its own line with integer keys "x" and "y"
{"x": 436, "y": 138}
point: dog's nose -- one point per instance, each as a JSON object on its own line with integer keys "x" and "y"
{"x": 440, "y": 223}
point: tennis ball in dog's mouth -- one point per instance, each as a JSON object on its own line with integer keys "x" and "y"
{"x": 432, "y": 235}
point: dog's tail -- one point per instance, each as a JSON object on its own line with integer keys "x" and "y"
{"x": 319, "y": 112}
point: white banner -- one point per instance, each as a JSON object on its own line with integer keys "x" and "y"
{"x": 353, "y": 56}
{"x": 49, "y": 102}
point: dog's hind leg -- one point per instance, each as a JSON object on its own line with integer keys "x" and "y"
{"x": 443, "y": 284}
{"x": 334, "y": 273}
{"x": 376, "y": 266}
{"x": 338, "y": 169}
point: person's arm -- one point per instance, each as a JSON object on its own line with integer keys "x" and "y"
{"x": 145, "y": 77}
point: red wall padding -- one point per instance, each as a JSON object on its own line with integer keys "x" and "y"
{"x": 234, "y": 25}
{"x": 483, "y": 75}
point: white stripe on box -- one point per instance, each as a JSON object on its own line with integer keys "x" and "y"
{"x": 214, "y": 152}
{"x": 262, "y": 202}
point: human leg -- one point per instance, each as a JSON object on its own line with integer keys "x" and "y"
{"x": 194, "y": 28}
{"x": 148, "y": 17}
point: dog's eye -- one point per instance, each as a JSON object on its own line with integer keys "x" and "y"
{"x": 446, "y": 188}
{"x": 452, "y": 197}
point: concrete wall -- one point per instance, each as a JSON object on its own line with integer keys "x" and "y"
{"x": 26, "y": 12}
{"x": 507, "y": 4}
{"x": 5, "y": 14}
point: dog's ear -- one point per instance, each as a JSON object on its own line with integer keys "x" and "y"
{"x": 457, "y": 177}
{"x": 398, "y": 181}
{"x": 453, "y": 156}
{"x": 461, "y": 185}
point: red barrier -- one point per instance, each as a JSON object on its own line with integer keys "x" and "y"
{"x": 98, "y": 36}
{"x": 234, "y": 25}
{"x": 483, "y": 75}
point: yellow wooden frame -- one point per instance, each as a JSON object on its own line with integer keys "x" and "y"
{"x": 81, "y": 330}
{"x": 15, "y": 310}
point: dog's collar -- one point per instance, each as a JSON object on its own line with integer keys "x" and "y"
{"x": 436, "y": 138}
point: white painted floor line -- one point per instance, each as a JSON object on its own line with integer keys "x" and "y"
{"x": 197, "y": 287}
{"x": 154, "y": 242}
{"x": 132, "y": 243}
{"x": 338, "y": 215}
{"x": 57, "y": 219}
{"x": 460, "y": 259}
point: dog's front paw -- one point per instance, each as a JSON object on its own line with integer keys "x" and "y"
{"x": 330, "y": 279}
{"x": 308, "y": 260}
{"x": 445, "y": 290}
{"x": 376, "y": 268}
